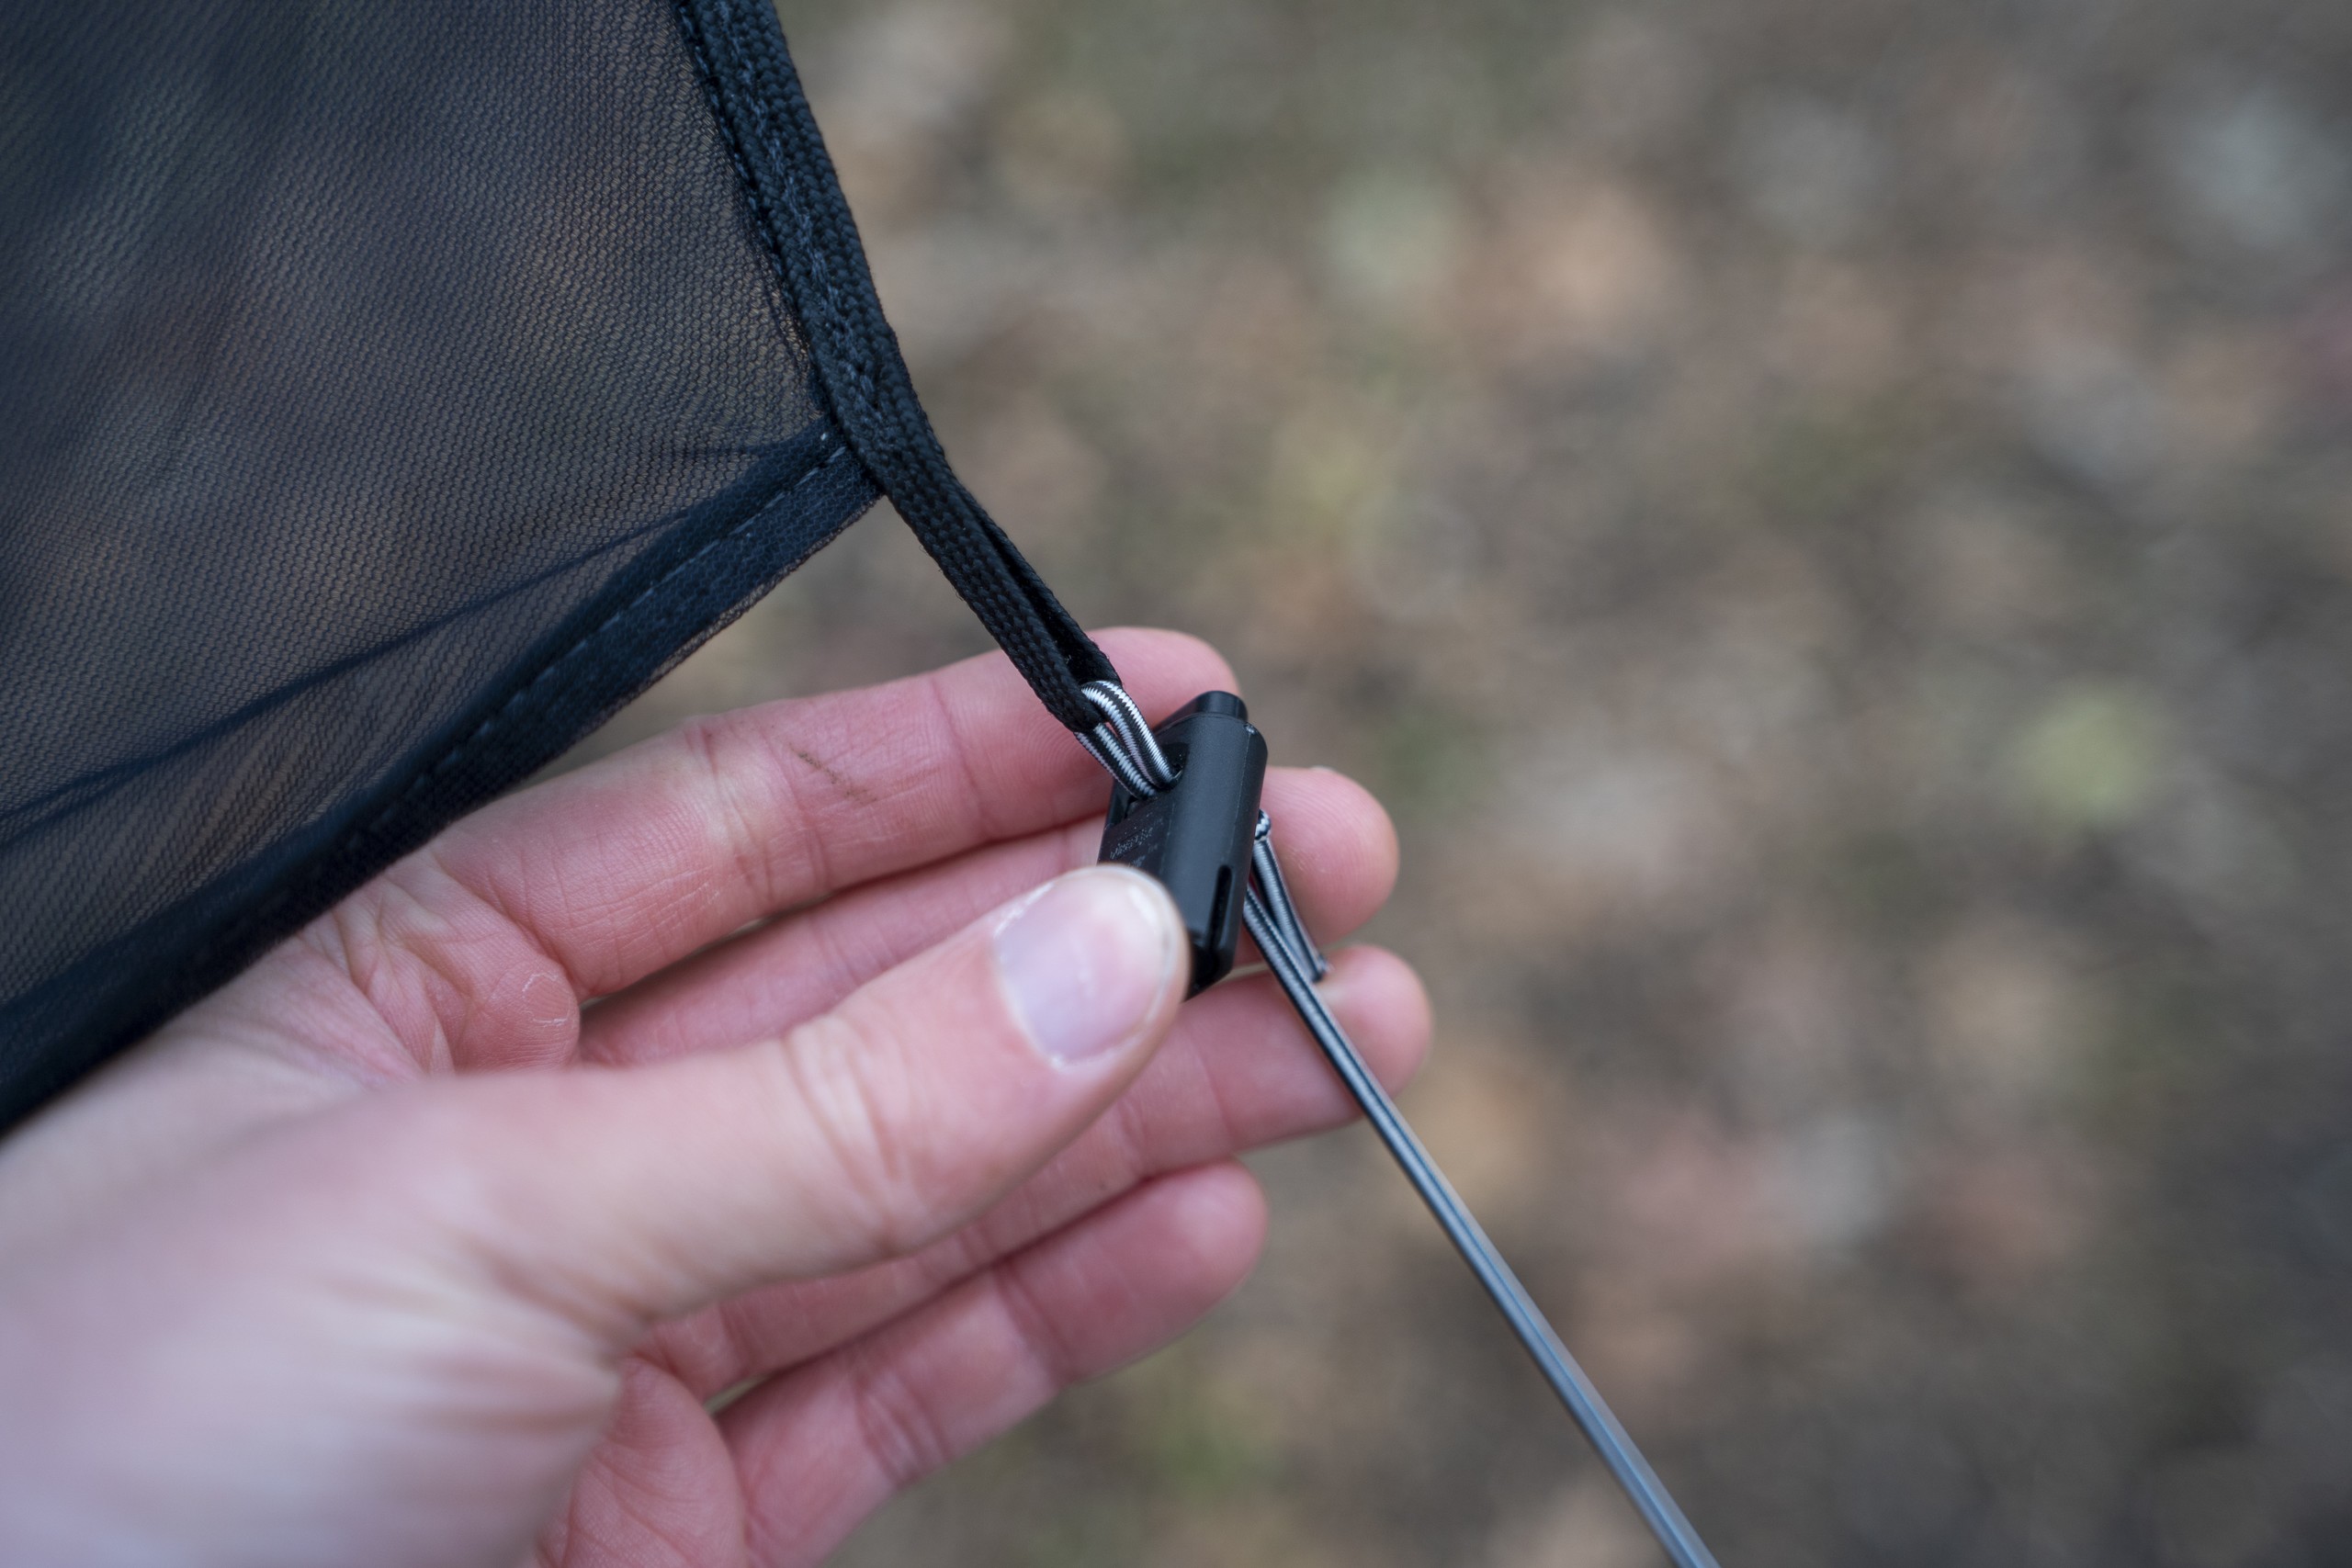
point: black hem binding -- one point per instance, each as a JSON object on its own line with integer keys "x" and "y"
{"x": 804, "y": 225}
{"x": 715, "y": 563}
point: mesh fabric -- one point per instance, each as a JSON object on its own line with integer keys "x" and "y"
{"x": 387, "y": 393}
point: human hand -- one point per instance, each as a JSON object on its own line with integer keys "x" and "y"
{"x": 398, "y": 1250}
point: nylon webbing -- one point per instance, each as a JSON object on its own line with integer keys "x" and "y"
{"x": 804, "y": 224}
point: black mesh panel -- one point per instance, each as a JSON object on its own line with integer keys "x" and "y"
{"x": 387, "y": 392}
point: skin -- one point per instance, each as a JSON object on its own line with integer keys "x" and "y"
{"x": 436, "y": 1236}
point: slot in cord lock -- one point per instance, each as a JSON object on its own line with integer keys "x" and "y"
{"x": 1134, "y": 756}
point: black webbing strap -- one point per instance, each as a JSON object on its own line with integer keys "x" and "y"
{"x": 805, "y": 226}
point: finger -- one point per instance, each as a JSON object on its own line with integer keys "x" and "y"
{"x": 1336, "y": 843}
{"x": 1237, "y": 1074}
{"x": 819, "y": 1449}
{"x": 658, "y": 1489}
{"x": 623, "y": 867}
{"x": 629, "y": 1196}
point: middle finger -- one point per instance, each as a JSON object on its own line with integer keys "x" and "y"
{"x": 1234, "y": 1075}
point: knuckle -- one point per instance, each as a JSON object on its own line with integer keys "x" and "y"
{"x": 453, "y": 979}
{"x": 732, "y": 764}
{"x": 897, "y": 1425}
{"x": 1042, "y": 1341}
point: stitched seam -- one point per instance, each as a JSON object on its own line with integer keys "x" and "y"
{"x": 843, "y": 343}
{"x": 765, "y": 229}
{"x": 261, "y": 915}
{"x": 801, "y": 226}
{"x": 287, "y": 892}
{"x": 505, "y": 710}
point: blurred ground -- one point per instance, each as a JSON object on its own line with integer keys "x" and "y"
{"x": 1830, "y": 524}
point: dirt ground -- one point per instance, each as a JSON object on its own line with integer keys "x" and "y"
{"x": 1830, "y": 526}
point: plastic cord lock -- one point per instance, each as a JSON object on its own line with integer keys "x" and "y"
{"x": 1196, "y": 834}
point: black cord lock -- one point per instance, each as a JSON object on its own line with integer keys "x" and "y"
{"x": 1195, "y": 835}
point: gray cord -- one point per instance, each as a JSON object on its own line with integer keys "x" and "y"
{"x": 1125, "y": 747}
{"x": 1268, "y": 869}
{"x": 1124, "y": 743}
{"x": 1592, "y": 1414}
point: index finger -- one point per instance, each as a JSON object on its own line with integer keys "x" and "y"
{"x": 629, "y": 864}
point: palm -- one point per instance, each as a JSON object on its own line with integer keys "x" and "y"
{"x": 881, "y": 822}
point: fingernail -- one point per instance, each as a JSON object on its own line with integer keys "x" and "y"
{"x": 1085, "y": 961}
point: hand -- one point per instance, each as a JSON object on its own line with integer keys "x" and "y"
{"x": 747, "y": 1057}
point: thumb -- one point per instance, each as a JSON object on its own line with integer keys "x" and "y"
{"x": 628, "y": 1195}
